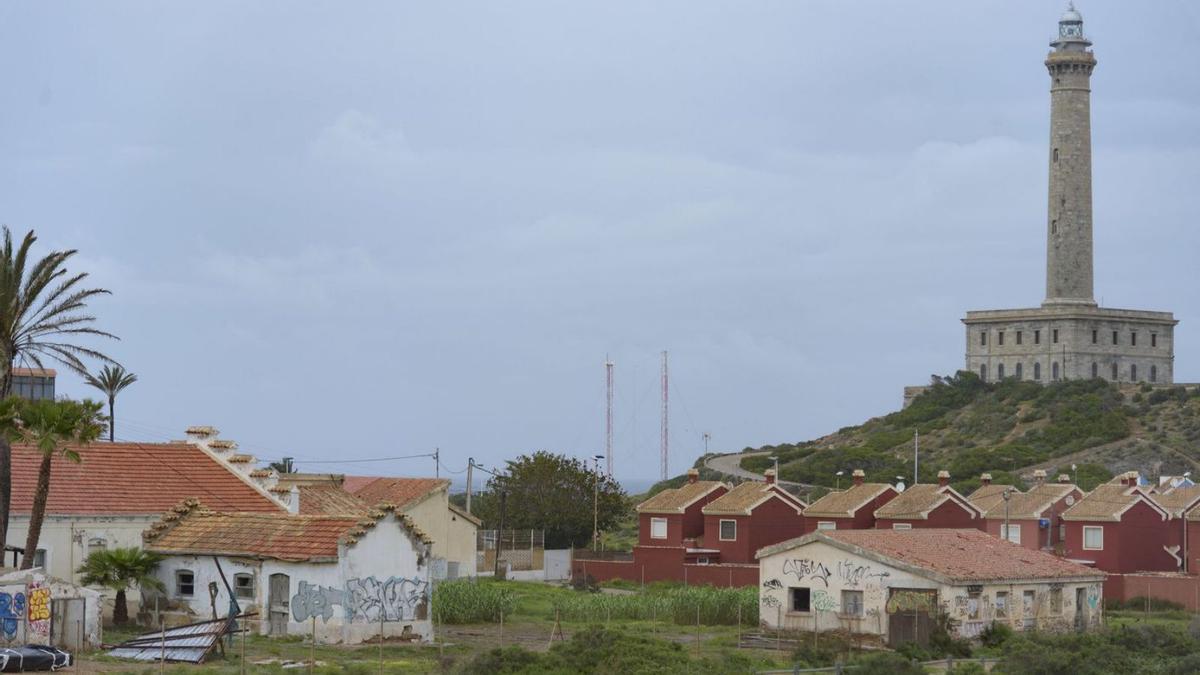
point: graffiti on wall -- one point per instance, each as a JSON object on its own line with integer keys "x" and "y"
{"x": 854, "y": 574}
{"x": 39, "y": 612}
{"x": 803, "y": 567}
{"x": 824, "y": 602}
{"x": 770, "y": 601}
{"x": 311, "y": 601}
{"x": 1093, "y": 597}
{"x": 773, "y": 585}
{"x": 395, "y": 599}
{"x": 12, "y": 612}
{"x": 910, "y": 601}
{"x": 363, "y": 600}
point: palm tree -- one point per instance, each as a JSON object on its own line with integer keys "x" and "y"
{"x": 111, "y": 381}
{"x": 52, "y": 427}
{"x": 42, "y": 310}
{"x": 119, "y": 569}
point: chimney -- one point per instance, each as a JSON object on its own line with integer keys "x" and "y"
{"x": 769, "y": 474}
{"x": 943, "y": 478}
{"x": 294, "y": 500}
{"x": 1131, "y": 478}
{"x": 693, "y": 475}
{"x": 1039, "y": 476}
{"x": 1064, "y": 478}
{"x": 985, "y": 478}
{"x": 858, "y": 476}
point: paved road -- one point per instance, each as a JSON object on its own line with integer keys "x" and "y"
{"x": 731, "y": 465}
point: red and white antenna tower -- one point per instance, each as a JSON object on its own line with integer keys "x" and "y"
{"x": 608, "y": 418}
{"x": 665, "y": 443}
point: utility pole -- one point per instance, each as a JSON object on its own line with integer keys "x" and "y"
{"x": 608, "y": 418}
{"x": 436, "y": 463}
{"x": 500, "y": 532}
{"x": 470, "y": 482}
{"x": 916, "y": 453}
{"x": 665, "y": 408}
{"x": 1007, "y": 495}
{"x": 596, "y": 503}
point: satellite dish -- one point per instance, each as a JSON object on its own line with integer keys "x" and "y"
{"x": 900, "y": 486}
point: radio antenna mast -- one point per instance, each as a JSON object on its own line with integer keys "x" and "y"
{"x": 665, "y": 443}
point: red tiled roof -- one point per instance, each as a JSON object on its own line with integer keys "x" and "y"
{"x": 329, "y": 499}
{"x": 400, "y": 492}
{"x": 132, "y": 478}
{"x": 189, "y": 528}
{"x": 956, "y": 555}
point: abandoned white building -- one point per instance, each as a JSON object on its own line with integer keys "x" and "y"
{"x": 895, "y": 583}
{"x": 346, "y": 578}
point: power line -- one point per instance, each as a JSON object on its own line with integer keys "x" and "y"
{"x": 359, "y": 461}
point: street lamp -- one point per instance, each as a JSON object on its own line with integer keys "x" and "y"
{"x": 1007, "y": 496}
{"x": 596, "y": 502}
{"x": 839, "y": 479}
{"x": 1075, "y": 470}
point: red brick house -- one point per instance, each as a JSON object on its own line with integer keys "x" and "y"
{"x": 750, "y": 516}
{"x": 1035, "y": 517}
{"x": 850, "y": 509}
{"x": 1120, "y": 528}
{"x": 671, "y": 523}
{"x": 925, "y": 506}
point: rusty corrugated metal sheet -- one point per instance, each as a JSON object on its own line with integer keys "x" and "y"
{"x": 190, "y": 643}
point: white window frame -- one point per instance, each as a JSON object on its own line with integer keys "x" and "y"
{"x": 1093, "y": 528}
{"x": 654, "y": 524}
{"x": 826, "y": 525}
{"x": 901, "y": 527}
{"x": 721, "y": 530}
{"x": 179, "y": 583}
{"x": 1007, "y": 532}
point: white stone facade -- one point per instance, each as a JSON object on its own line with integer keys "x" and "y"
{"x": 851, "y": 592}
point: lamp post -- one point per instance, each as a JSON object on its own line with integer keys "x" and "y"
{"x": 1075, "y": 470}
{"x": 1007, "y": 495}
{"x": 596, "y": 503}
{"x": 839, "y": 479}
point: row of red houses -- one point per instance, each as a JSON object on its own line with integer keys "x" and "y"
{"x": 1119, "y": 527}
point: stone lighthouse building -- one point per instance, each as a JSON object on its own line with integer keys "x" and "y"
{"x": 1069, "y": 336}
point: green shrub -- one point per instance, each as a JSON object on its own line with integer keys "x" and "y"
{"x": 996, "y": 634}
{"x": 886, "y": 663}
{"x": 828, "y": 649}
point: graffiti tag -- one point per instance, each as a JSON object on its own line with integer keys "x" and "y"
{"x": 773, "y": 584}
{"x": 854, "y": 574}
{"x": 39, "y": 610}
{"x": 770, "y": 601}
{"x": 312, "y": 601}
{"x": 910, "y": 601}
{"x": 12, "y": 611}
{"x": 367, "y": 599}
{"x": 803, "y": 567}
{"x": 824, "y": 602}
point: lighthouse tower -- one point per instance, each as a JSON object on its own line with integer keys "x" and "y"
{"x": 1069, "y": 336}
{"x": 1069, "y": 221}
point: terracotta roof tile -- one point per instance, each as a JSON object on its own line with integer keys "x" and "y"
{"x": 845, "y": 503}
{"x": 280, "y": 536}
{"x": 1178, "y": 499}
{"x": 959, "y": 556}
{"x": 1106, "y": 502}
{"x": 918, "y": 500}
{"x": 401, "y": 492}
{"x": 1032, "y": 504}
{"x": 132, "y": 478}
{"x": 329, "y": 499}
{"x": 675, "y": 500}
{"x": 743, "y": 498}
{"x": 987, "y": 496}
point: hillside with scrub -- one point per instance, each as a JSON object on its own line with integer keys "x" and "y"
{"x": 1009, "y": 429}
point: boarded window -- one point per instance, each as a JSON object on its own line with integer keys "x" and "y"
{"x": 1001, "y": 604}
{"x": 1056, "y": 606}
{"x": 243, "y": 586}
{"x": 852, "y": 603}
{"x": 1093, "y": 538}
{"x": 185, "y": 583}
{"x": 728, "y": 530}
{"x": 801, "y": 600}
{"x": 658, "y": 528}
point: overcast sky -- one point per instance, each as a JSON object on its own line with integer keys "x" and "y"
{"x": 349, "y": 230}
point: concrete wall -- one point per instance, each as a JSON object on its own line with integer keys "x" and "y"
{"x": 378, "y": 576}
{"x": 826, "y": 571}
{"x": 35, "y": 592}
{"x": 453, "y": 535}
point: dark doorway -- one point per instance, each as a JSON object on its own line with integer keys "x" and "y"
{"x": 910, "y": 615}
